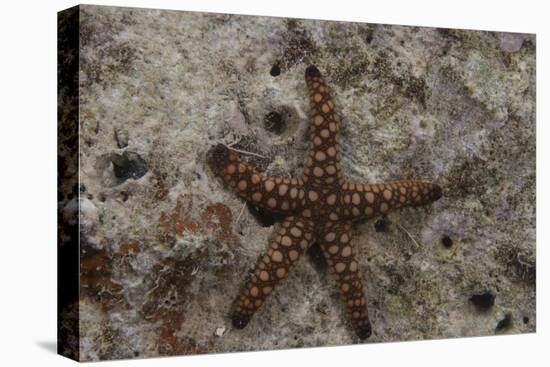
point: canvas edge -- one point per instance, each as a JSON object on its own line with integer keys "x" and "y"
{"x": 68, "y": 338}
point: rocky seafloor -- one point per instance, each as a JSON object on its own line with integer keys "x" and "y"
{"x": 165, "y": 246}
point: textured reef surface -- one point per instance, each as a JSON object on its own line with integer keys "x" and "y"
{"x": 165, "y": 247}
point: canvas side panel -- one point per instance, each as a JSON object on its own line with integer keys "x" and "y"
{"x": 67, "y": 183}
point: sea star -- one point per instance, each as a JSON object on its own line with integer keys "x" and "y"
{"x": 320, "y": 206}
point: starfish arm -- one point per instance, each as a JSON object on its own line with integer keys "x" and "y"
{"x": 335, "y": 241}
{"x": 272, "y": 268}
{"x": 323, "y": 162}
{"x": 277, "y": 194}
{"x": 369, "y": 200}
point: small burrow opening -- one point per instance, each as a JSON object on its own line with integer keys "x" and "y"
{"x": 128, "y": 165}
{"x": 483, "y": 302}
{"x": 275, "y": 70}
{"x": 505, "y": 323}
{"x": 274, "y": 122}
{"x": 381, "y": 225}
{"x": 446, "y": 241}
{"x": 123, "y": 196}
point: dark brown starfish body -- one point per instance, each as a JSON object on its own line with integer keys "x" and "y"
{"x": 320, "y": 206}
